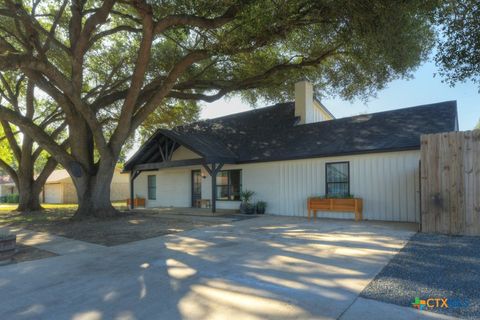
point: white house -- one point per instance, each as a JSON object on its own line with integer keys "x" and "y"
{"x": 7, "y": 186}
{"x": 289, "y": 152}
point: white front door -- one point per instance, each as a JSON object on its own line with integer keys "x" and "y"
{"x": 53, "y": 193}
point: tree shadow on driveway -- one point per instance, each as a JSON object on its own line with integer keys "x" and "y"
{"x": 261, "y": 268}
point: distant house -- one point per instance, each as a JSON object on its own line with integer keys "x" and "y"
{"x": 7, "y": 186}
{"x": 59, "y": 188}
{"x": 289, "y": 152}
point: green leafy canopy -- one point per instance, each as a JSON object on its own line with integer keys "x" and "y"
{"x": 111, "y": 66}
{"x": 458, "y": 51}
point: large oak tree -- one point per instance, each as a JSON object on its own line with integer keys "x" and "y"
{"x": 21, "y": 158}
{"x": 110, "y": 64}
{"x": 458, "y": 49}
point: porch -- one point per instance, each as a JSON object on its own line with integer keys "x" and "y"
{"x": 165, "y": 151}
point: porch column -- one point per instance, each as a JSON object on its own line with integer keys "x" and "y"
{"x": 213, "y": 171}
{"x": 214, "y": 191}
{"x": 133, "y": 175}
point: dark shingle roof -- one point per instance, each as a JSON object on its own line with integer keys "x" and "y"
{"x": 271, "y": 133}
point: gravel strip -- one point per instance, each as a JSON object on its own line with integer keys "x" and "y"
{"x": 432, "y": 266}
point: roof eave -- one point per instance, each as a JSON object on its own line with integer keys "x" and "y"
{"x": 329, "y": 155}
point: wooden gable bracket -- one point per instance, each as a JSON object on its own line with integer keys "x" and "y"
{"x": 167, "y": 149}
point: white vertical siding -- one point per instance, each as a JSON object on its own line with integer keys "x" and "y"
{"x": 173, "y": 188}
{"x": 183, "y": 153}
{"x": 387, "y": 182}
{"x": 319, "y": 113}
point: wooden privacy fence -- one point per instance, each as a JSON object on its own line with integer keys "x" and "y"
{"x": 450, "y": 183}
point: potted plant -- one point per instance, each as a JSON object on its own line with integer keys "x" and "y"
{"x": 261, "y": 206}
{"x": 246, "y": 207}
{"x": 8, "y": 245}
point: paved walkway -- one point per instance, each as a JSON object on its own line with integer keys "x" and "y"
{"x": 52, "y": 243}
{"x": 269, "y": 267}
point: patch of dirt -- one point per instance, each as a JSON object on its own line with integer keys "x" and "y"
{"x": 29, "y": 253}
{"x": 126, "y": 227}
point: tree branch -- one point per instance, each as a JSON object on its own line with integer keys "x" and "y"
{"x": 11, "y": 140}
{"x": 43, "y": 139}
{"x": 99, "y": 17}
{"x": 10, "y": 171}
{"x": 51, "y": 33}
{"x": 197, "y": 96}
{"x": 14, "y": 61}
{"x": 53, "y": 135}
{"x": 247, "y": 83}
{"x": 138, "y": 75}
{"x": 47, "y": 170}
{"x": 195, "y": 21}
{"x": 109, "y": 32}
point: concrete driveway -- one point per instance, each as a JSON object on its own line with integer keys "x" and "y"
{"x": 268, "y": 267}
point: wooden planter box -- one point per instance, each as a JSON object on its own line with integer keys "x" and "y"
{"x": 8, "y": 247}
{"x": 137, "y": 202}
{"x": 335, "y": 205}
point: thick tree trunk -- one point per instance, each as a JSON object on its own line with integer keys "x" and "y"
{"x": 95, "y": 204}
{"x": 93, "y": 194}
{"x": 29, "y": 196}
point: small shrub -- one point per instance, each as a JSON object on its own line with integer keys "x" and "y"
{"x": 12, "y": 198}
{"x": 335, "y": 196}
{"x": 246, "y": 195}
{"x": 9, "y": 198}
{"x": 261, "y": 206}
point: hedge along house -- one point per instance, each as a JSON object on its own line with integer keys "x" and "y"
{"x": 7, "y": 187}
{"x": 289, "y": 152}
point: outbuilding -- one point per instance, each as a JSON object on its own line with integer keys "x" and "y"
{"x": 59, "y": 187}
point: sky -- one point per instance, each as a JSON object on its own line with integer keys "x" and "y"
{"x": 423, "y": 88}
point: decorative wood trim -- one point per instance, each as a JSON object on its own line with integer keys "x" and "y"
{"x": 168, "y": 164}
{"x": 160, "y": 148}
{"x": 172, "y": 149}
{"x": 207, "y": 168}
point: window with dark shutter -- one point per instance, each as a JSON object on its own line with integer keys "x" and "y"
{"x": 152, "y": 187}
